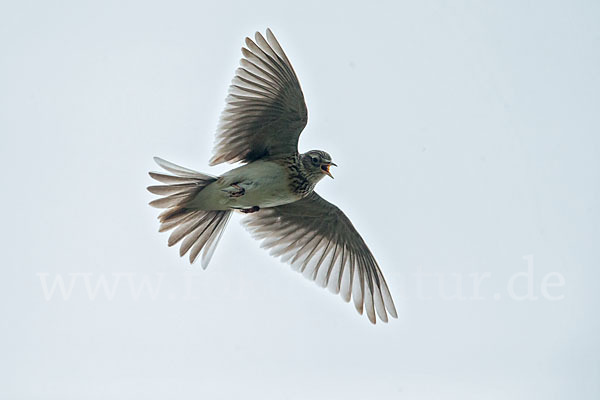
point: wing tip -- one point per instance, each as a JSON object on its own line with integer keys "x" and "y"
{"x": 391, "y": 309}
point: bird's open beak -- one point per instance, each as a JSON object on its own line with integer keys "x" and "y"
{"x": 325, "y": 169}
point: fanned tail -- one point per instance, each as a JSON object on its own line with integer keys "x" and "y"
{"x": 199, "y": 229}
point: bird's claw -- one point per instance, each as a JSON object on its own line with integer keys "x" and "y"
{"x": 238, "y": 192}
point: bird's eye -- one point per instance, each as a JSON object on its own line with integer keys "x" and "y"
{"x": 315, "y": 160}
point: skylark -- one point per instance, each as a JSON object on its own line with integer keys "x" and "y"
{"x": 260, "y": 126}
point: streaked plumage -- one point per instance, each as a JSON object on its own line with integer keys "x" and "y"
{"x": 264, "y": 115}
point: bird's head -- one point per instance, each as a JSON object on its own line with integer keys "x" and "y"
{"x": 316, "y": 164}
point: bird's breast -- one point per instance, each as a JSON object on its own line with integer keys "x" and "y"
{"x": 265, "y": 184}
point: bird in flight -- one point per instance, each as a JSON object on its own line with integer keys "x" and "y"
{"x": 264, "y": 115}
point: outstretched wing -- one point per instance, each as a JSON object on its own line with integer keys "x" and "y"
{"x": 319, "y": 240}
{"x": 265, "y": 110}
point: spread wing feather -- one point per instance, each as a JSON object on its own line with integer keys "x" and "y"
{"x": 265, "y": 110}
{"x": 319, "y": 241}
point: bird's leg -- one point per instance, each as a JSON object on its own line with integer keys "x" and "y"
{"x": 250, "y": 210}
{"x": 235, "y": 190}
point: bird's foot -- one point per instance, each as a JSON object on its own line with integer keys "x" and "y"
{"x": 237, "y": 190}
{"x": 250, "y": 210}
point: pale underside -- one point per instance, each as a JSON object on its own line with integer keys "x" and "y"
{"x": 263, "y": 183}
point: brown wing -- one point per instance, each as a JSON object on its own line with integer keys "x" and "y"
{"x": 320, "y": 241}
{"x": 265, "y": 110}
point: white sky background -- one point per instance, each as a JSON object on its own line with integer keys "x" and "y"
{"x": 466, "y": 135}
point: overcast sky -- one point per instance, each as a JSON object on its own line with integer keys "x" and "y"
{"x": 467, "y": 139}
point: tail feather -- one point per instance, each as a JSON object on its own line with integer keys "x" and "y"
{"x": 169, "y": 179}
{"x": 199, "y": 229}
{"x": 178, "y": 170}
{"x": 173, "y": 200}
{"x": 208, "y": 236}
{"x": 177, "y": 216}
{"x": 185, "y": 228}
{"x": 167, "y": 190}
